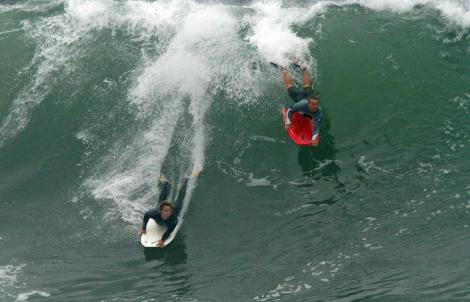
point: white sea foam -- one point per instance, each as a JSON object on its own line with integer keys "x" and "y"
{"x": 275, "y": 39}
{"x": 85, "y": 136}
{"x": 9, "y": 279}
{"x": 288, "y": 286}
{"x": 90, "y": 13}
{"x": 58, "y": 44}
{"x": 456, "y": 11}
{"x": 258, "y": 182}
{"x": 25, "y": 296}
{"x": 369, "y": 165}
{"x": 321, "y": 271}
{"x": 399, "y": 6}
{"x": 8, "y": 274}
{"x": 191, "y": 69}
{"x": 131, "y": 181}
{"x": 54, "y": 38}
{"x": 60, "y": 39}
{"x": 263, "y": 138}
{"x": 154, "y": 14}
{"x": 34, "y": 6}
{"x": 273, "y": 35}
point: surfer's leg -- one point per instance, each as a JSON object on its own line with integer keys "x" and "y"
{"x": 287, "y": 78}
{"x": 307, "y": 79}
{"x": 181, "y": 194}
{"x": 165, "y": 191}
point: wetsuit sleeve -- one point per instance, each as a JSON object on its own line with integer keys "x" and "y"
{"x": 181, "y": 194}
{"x": 149, "y": 214}
{"x": 301, "y": 106}
{"x": 318, "y": 119}
{"x": 170, "y": 229}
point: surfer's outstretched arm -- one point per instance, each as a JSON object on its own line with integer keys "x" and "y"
{"x": 318, "y": 118}
{"x": 299, "y": 106}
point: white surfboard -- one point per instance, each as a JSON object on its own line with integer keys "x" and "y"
{"x": 154, "y": 233}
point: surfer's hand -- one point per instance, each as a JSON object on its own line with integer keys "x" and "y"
{"x": 141, "y": 232}
{"x": 287, "y": 125}
{"x": 161, "y": 243}
{"x": 314, "y": 138}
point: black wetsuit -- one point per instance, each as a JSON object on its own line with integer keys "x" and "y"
{"x": 172, "y": 221}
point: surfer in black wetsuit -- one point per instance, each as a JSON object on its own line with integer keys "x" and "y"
{"x": 306, "y": 102}
{"x": 167, "y": 212}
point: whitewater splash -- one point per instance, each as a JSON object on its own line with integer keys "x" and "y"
{"x": 61, "y": 40}
{"x": 201, "y": 50}
{"x": 174, "y": 92}
{"x": 9, "y": 278}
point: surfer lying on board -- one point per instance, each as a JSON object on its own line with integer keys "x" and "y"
{"x": 306, "y": 102}
{"x": 167, "y": 213}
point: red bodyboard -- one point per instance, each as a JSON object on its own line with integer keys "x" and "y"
{"x": 301, "y": 129}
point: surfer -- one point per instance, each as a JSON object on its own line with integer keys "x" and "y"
{"x": 166, "y": 214}
{"x": 306, "y": 102}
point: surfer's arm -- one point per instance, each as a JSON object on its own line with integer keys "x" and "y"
{"x": 316, "y": 129}
{"x": 149, "y": 214}
{"x": 301, "y": 106}
{"x": 318, "y": 118}
{"x": 315, "y": 135}
{"x": 170, "y": 228}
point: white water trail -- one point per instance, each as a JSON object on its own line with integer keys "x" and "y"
{"x": 131, "y": 180}
{"x": 190, "y": 71}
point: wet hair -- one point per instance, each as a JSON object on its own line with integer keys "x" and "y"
{"x": 165, "y": 204}
{"x": 314, "y": 97}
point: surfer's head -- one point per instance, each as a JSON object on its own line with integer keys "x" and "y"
{"x": 313, "y": 104}
{"x": 166, "y": 209}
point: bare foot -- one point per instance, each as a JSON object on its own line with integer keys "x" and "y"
{"x": 196, "y": 173}
{"x": 163, "y": 178}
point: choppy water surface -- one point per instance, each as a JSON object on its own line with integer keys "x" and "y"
{"x": 98, "y": 98}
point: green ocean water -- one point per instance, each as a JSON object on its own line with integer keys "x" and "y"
{"x": 98, "y": 98}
